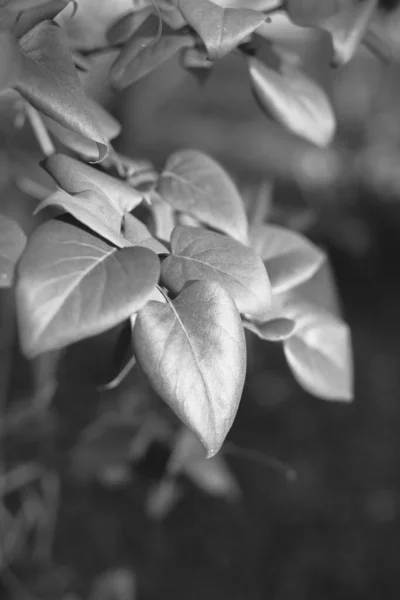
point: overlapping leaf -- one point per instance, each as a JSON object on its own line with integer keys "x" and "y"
{"x": 12, "y": 244}
{"x": 48, "y": 80}
{"x": 204, "y": 255}
{"x": 137, "y": 234}
{"x": 76, "y": 177}
{"x": 294, "y": 100}
{"x": 290, "y": 259}
{"x": 221, "y": 29}
{"x": 275, "y": 330}
{"x": 35, "y": 13}
{"x": 319, "y": 353}
{"x": 194, "y": 183}
{"x": 193, "y": 352}
{"x": 72, "y": 285}
{"x": 346, "y": 21}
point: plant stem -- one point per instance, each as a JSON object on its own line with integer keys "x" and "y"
{"x": 40, "y": 131}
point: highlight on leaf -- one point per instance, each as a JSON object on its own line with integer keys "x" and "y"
{"x": 12, "y": 244}
{"x": 193, "y": 352}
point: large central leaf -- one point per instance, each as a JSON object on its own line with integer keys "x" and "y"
{"x": 204, "y": 255}
{"x": 195, "y": 184}
{"x": 71, "y": 285}
{"x": 193, "y": 351}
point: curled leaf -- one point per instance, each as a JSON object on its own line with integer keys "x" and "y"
{"x": 72, "y": 285}
{"x": 290, "y": 259}
{"x": 193, "y": 352}
{"x": 12, "y": 244}
{"x": 204, "y": 255}
{"x": 293, "y": 100}
{"x": 195, "y": 184}
{"x": 221, "y": 29}
{"x": 274, "y": 330}
{"x": 124, "y": 28}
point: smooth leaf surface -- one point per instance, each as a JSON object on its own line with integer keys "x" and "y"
{"x": 139, "y": 61}
{"x": 207, "y": 256}
{"x": 49, "y": 81}
{"x": 93, "y": 209}
{"x": 75, "y": 177}
{"x": 72, "y": 285}
{"x": 221, "y": 29}
{"x": 12, "y": 244}
{"x": 290, "y": 259}
{"x": 11, "y": 60}
{"x": 193, "y": 352}
{"x": 44, "y": 11}
{"x": 137, "y": 234}
{"x": 294, "y": 100}
{"x": 275, "y": 330}
{"x": 310, "y": 13}
{"x": 126, "y": 25}
{"x": 319, "y": 353}
{"x": 195, "y": 184}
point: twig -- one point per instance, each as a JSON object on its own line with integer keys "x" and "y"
{"x": 40, "y": 130}
{"x": 269, "y": 461}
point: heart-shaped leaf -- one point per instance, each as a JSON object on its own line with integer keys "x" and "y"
{"x": 136, "y": 61}
{"x": 194, "y": 183}
{"x": 137, "y": 234}
{"x": 12, "y": 244}
{"x": 290, "y": 259}
{"x": 75, "y": 177}
{"x": 275, "y": 330}
{"x": 293, "y": 100}
{"x": 93, "y": 209}
{"x": 49, "y": 81}
{"x": 319, "y": 353}
{"x": 193, "y": 352}
{"x": 72, "y": 285}
{"x": 107, "y": 125}
{"x": 346, "y": 21}
{"x": 204, "y": 255}
{"x": 221, "y": 29}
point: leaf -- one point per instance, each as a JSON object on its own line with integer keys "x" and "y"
{"x": 194, "y": 183}
{"x": 75, "y": 177}
{"x": 136, "y": 61}
{"x": 346, "y": 21}
{"x": 137, "y": 234}
{"x": 107, "y": 125}
{"x": 198, "y": 254}
{"x": 124, "y": 27}
{"x": 193, "y": 352}
{"x": 221, "y": 29}
{"x": 93, "y": 209}
{"x": 36, "y": 13}
{"x": 212, "y": 475}
{"x": 293, "y": 100}
{"x": 11, "y": 60}
{"x": 12, "y": 244}
{"x": 71, "y": 285}
{"x": 274, "y": 330}
{"x": 49, "y": 81}
{"x": 319, "y": 354}
{"x": 290, "y": 259}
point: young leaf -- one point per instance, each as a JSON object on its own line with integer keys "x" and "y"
{"x": 293, "y": 100}
{"x": 137, "y": 234}
{"x": 290, "y": 259}
{"x": 93, "y": 209}
{"x": 75, "y": 177}
{"x": 12, "y": 244}
{"x": 275, "y": 330}
{"x": 48, "y": 80}
{"x": 193, "y": 352}
{"x": 107, "y": 125}
{"x": 319, "y": 353}
{"x": 72, "y": 285}
{"x": 136, "y": 61}
{"x": 194, "y": 183}
{"x": 346, "y": 21}
{"x": 221, "y": 29}
{"x": 207, "y": 256}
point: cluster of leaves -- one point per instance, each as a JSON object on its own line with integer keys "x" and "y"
{"x": 191, "y": 275}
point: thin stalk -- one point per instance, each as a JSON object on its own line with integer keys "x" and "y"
{"x": 40, "y": 131}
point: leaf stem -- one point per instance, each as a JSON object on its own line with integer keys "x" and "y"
{"x": 40, "y": 130}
